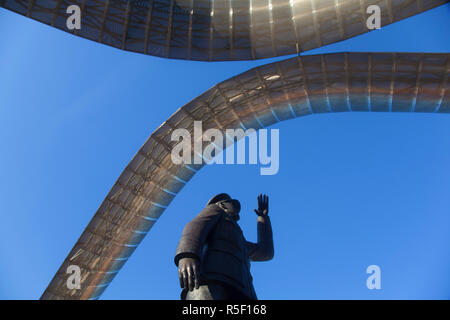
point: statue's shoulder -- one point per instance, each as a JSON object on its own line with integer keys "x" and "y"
{"x": 211, "y": 210}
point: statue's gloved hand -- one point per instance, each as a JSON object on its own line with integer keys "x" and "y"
{"x": 188, "y": 272}
{"x": 263, "y": 205}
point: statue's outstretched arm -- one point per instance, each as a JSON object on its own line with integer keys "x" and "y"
{"x": 263, "y": 249}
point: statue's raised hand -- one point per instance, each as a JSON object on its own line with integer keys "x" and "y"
{"x": 263, "y": 205}
{"x": 188, "y": 272}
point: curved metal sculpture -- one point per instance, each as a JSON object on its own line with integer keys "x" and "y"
{"x": 214, "y": 30}
{"x": 260, "y": 97}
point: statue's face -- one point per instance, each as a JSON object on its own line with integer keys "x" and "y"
{"x": 232, "y": 208}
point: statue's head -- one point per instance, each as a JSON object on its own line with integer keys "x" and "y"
{"x": 231, "y": 206}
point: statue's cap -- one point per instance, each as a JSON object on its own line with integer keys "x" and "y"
{"x": 219, "y": 197}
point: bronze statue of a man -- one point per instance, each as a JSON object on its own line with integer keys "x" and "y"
{"x": 213, "y": 257}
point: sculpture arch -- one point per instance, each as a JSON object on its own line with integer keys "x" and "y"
{"x": 216, "y": 30}
{"x": 300, "y": 86}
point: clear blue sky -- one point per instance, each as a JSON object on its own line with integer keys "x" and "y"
{"x": 354, "y": 189}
